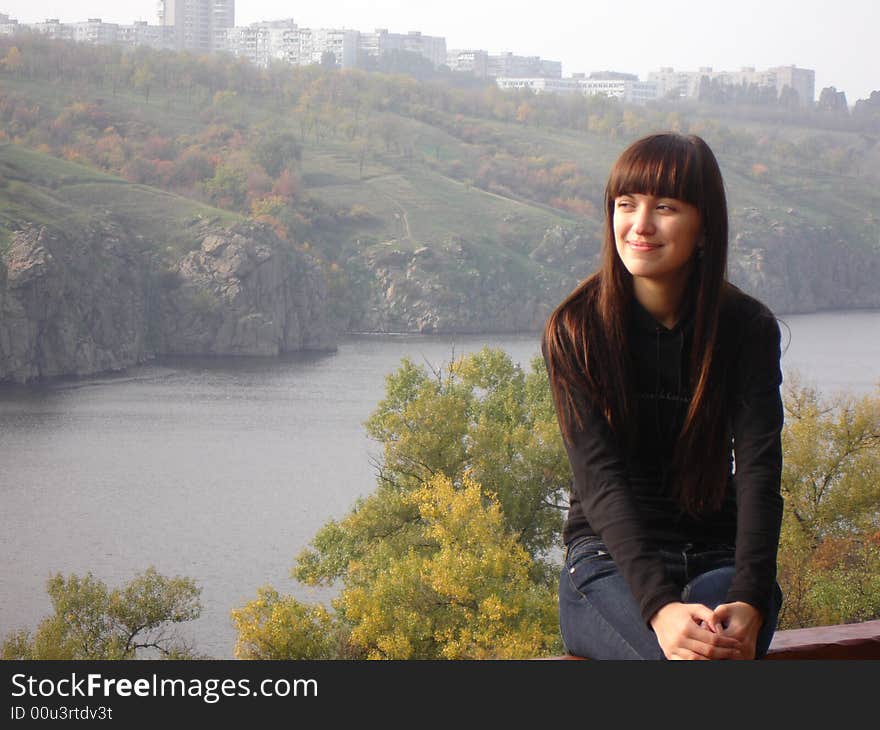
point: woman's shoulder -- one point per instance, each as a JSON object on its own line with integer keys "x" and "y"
{"x": 750, "y": 333}
{"x": 740, "y": 310}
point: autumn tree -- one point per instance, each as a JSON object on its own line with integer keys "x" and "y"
{"x": 279, "y": 627}
{"x": 442, "y": 579}
{"x": 91, "y": 621}
{"x": 450, "y": 557}
{"x": 12, "y": 61}
{"x": 829, "y": 556}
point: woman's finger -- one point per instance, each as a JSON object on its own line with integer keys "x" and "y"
{"x": 712, "y": 638}
{"x": 681, "y": 653}
{"x": 709, "y": 651}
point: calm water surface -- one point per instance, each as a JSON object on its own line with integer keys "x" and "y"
{"x": 223, "y": 470}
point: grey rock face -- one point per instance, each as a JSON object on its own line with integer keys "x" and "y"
{"x": 242, "y": 295}
{"x": 793, "y": 266}
{"x": 446, "y": 289}
{"x": 69, "y": 307}
{"x": 86, "y": 304}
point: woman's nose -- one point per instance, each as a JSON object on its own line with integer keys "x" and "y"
{"x": 643, "y": 223}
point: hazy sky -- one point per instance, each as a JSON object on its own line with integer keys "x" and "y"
{"x": 836, "y": 39}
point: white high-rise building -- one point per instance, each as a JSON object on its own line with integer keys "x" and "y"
{"x": 199, "y": 25}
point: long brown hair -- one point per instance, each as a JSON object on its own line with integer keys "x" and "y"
{"x": 585, "y": 337}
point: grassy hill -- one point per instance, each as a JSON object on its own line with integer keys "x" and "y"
{"x": 388, "y": 163}
{"x": 38, "y": 189}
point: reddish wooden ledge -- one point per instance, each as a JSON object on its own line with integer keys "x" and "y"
{"x": 846, "y": 641}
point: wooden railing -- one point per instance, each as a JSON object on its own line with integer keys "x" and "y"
{"x": 846, "y": 641}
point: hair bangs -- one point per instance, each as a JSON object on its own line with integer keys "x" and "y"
{"x": 662, "y": 165}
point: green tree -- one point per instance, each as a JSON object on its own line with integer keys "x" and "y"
{"x": 90, "y": 621}
{"x": 484, "y": 416}
{"x": 829, "y": 556}
{"x": 228, "y": 187}
{"x": 450, "y": 556}
{"x": 276, "y": 152}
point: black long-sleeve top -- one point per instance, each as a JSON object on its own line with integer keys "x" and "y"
{"x": 624, "y": 496}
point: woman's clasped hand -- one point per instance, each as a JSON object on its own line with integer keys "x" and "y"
{"x": 694, "y": 631}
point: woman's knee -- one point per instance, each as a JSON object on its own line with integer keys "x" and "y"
{"x": 709, "y": 588}
{"x": 603, "y": 621}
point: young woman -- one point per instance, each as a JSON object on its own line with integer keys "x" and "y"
{"x": 666, "y": 383}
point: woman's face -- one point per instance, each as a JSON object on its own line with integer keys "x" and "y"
{"x": 656, "y": 237}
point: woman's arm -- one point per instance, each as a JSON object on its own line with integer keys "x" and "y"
{"x": 757, "y": 427}
{"x": 601, "y": 485}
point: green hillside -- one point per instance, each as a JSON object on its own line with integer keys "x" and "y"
{"x": 41, "y": 190}
{"x": 351, "y": 165}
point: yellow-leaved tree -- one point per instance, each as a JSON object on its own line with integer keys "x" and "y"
{"x": 452, "y": 556}
{"x": 461, "y": 591}
{"x": 829, "y": 553}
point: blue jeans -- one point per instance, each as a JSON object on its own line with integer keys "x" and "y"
{"x": 600, "y": 619}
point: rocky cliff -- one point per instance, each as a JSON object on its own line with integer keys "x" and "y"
{"x": 74, "y": 304}
{"x": 796, "y": 266}
{"x": 787, "y": 262}
{"x": 452, "y": 288}
{"x": 98, "y": 300}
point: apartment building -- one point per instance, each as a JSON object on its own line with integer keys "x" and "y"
{"x": 538, "y": 84}
{"x": 141, "y": 33}
{"x": 199, "y": 25}
{"x": 686, "y": 84}
{"x": 8, "y": 25}
{"x": 471, "y": 62}
{"x": 54, "y": 28}
{"x": 342, "y": 43}
{"x": 625, "y": 87}
{"x": 431, "y": 47}
{"x": 509, "y": 65}
{"x": 95, "y": 31}
{"x": 802, "y": 80}
{"x": 631, "y": 91}
{"x": 381, "y": 42}
{"x": 250, "y": 42}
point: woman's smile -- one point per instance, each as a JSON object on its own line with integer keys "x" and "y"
{"x": 640, "y": 246}
{"x": 656, "y": 237}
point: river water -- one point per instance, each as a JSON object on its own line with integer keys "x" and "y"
{"x": 223, "y": 470}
